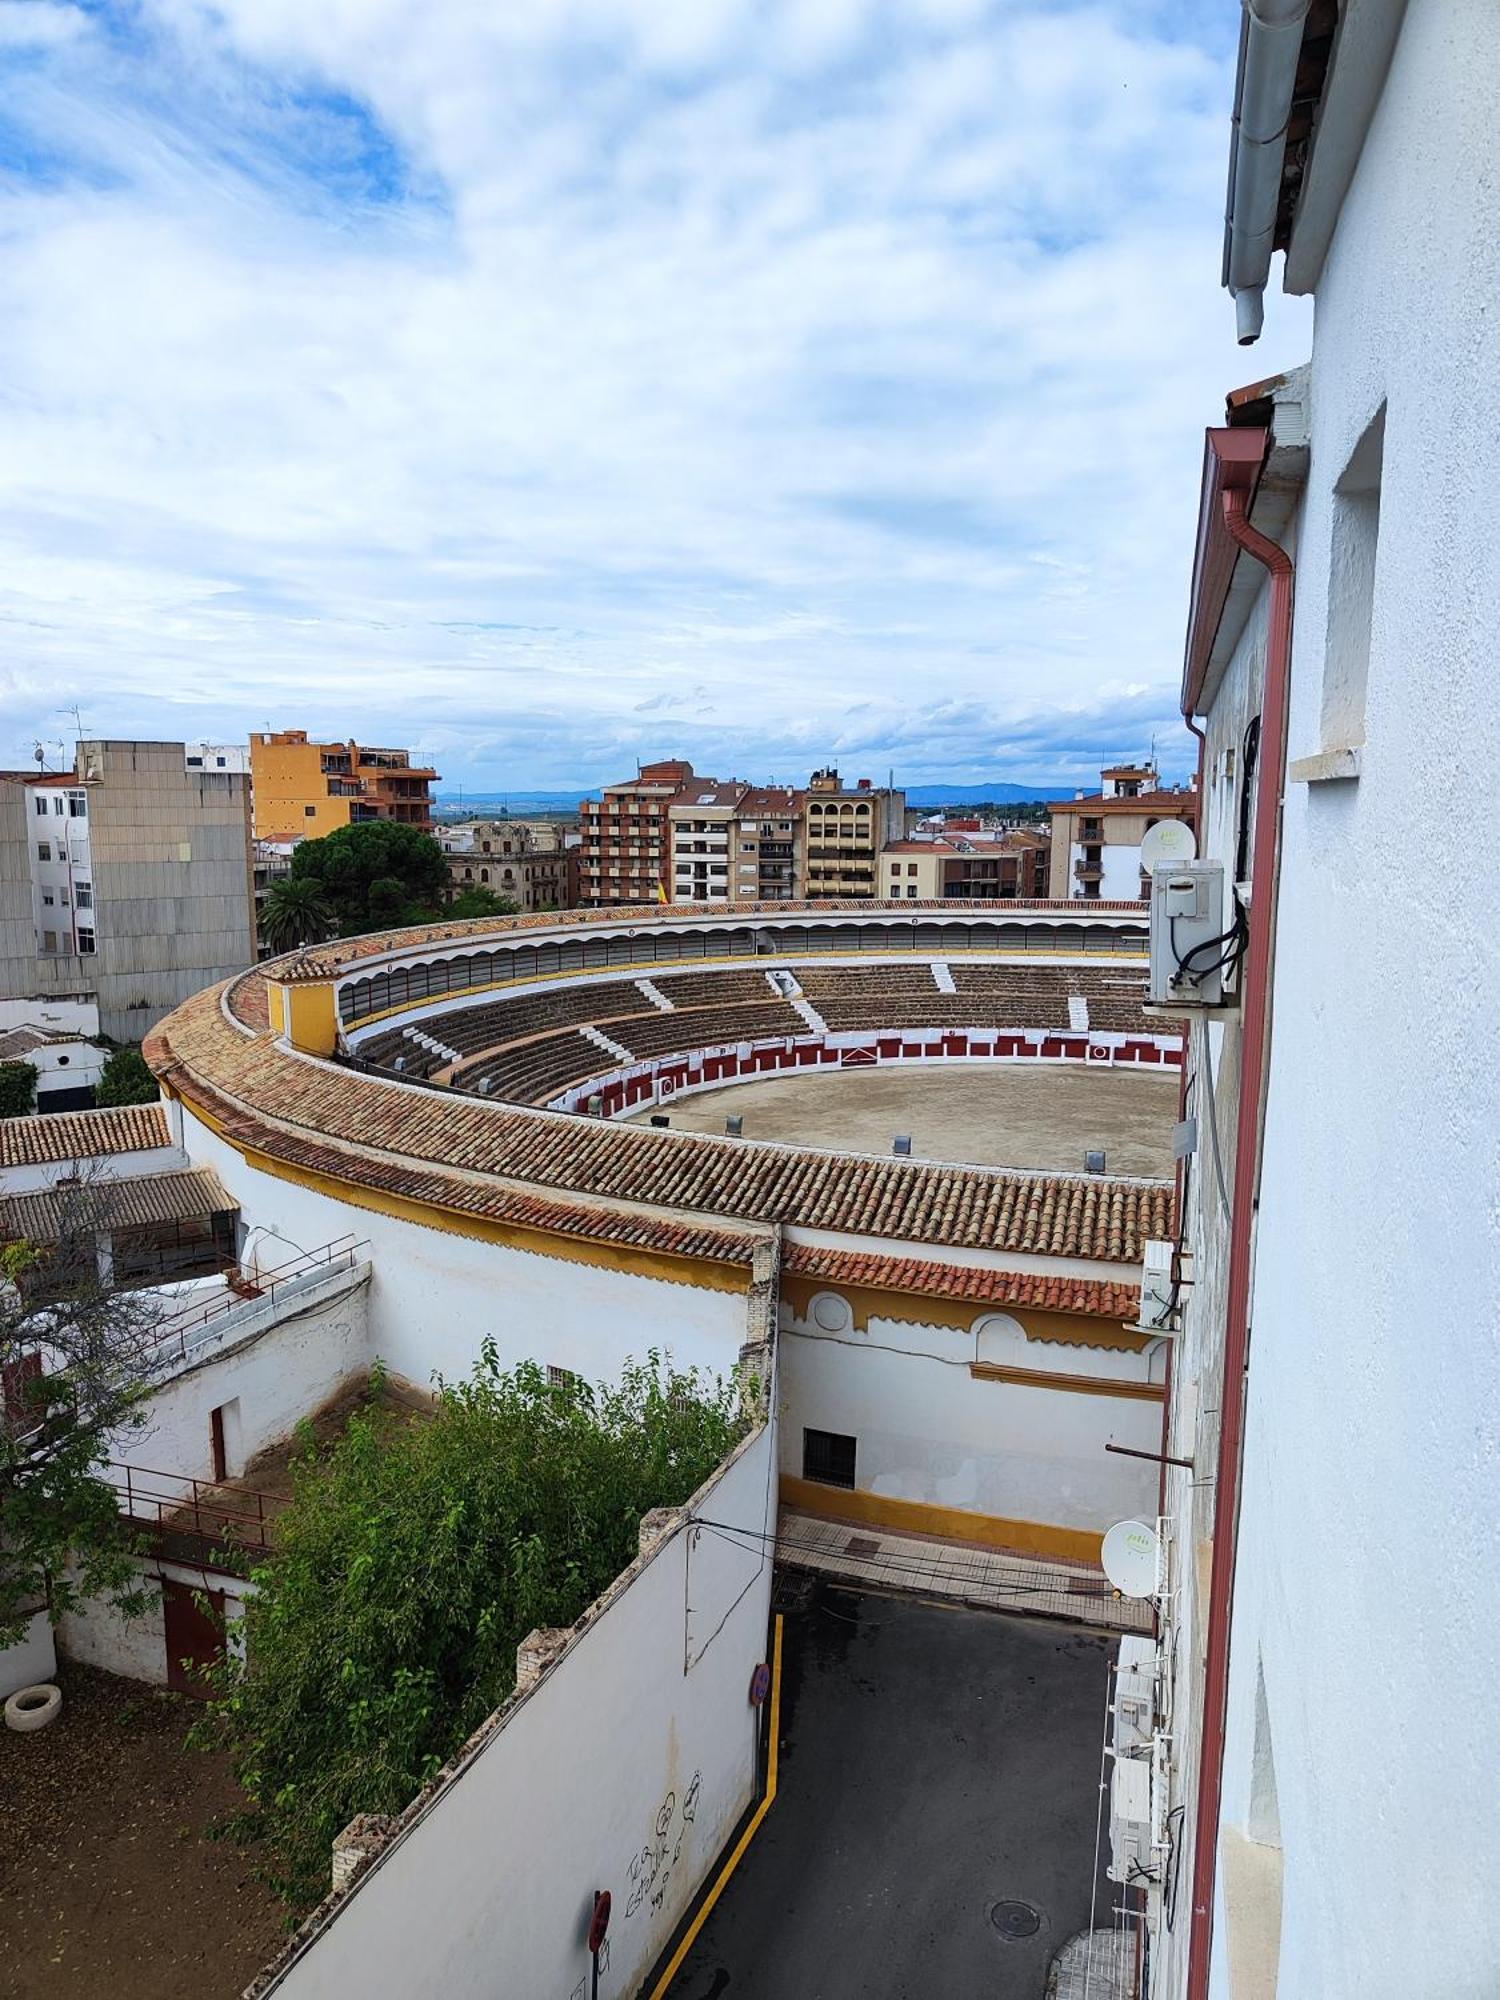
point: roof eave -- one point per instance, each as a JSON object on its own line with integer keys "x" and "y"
{"x": 1233, "y": 459}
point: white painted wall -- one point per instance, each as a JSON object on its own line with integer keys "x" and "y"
{"x": 927, "y": 1430}
{"x": 277, "y": 1377}
{"x": 32, "y": 1660}
{"x": 136, "y": 1647}
{"x": 625, "y": 1768}
{"x": 1369, "y": 1561}
{"x": 435, "y": 1295}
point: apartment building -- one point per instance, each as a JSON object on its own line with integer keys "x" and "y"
{"x": 958, "y": 867}
{"x": 767, "y": 839}
{"x": 847, "y": 828}
{"x": 126, "y": 881}
{"x": 702, "y": 819}
{"x": 532, "y": 862}
{"x": 1324, "y": 1694}
{"x": 303, "y": 790}
{"x": 625, "y": 853}
{"x": 1096, "y": 836}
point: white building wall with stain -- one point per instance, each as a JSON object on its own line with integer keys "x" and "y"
{"x": 436, "y": 1294}
{"x": 928, "y": 1430}
{"x": 626, "y": 1768}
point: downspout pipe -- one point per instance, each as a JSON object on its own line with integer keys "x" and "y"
{"x": 1254, "y": 1051}
{"x": 1270, "y": 45}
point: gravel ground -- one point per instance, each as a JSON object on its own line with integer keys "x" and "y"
{"x": 108, "y": 1883}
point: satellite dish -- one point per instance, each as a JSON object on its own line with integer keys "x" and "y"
{"x": 1130, "y": 1555}
{"x": 1167, "y": 845}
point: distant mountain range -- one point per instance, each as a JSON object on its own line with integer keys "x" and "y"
{"x": 477, "y": 805}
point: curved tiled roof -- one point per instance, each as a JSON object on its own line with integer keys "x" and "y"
{"x": 920, "y": 1277}
{"x": 515, "y": 1163}
{"x": 58, "y": 1136}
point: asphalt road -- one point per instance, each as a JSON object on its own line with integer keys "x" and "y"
{"x": 934, "y": 1763}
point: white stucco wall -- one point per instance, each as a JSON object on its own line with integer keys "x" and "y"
{"x": 1369, "y": 1559}
{"x": 31, "y": 1660}
{"x": 135, "y": 1647}
{"x": 927, "y": 1430}
{"x": 275, "y": 1378}
{"x": 626, "y": 1768}
{"x": 435, "y": 1295}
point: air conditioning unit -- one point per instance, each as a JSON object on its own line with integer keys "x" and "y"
{"x": 1190, "y": 936}
{"x": 1130, "y": 1855}
{"x": 1134, "y": 1708}
{"x": 1161, "y": 1308}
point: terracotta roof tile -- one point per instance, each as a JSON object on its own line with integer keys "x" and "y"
{"x": 81, "y": 1135}
{"x": 926, "y": 1278}
{"x": 126, "y": 1203}
{"x": 561, "y": 1156}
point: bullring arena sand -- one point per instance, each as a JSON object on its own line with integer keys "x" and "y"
{"x": 973, "y": 1114}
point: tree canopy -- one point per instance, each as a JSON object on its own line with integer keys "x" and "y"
{"x": 414, "y": 1556}
{"x": 76, "y": 1374}
{"x": 127, "y": 1079}
{"x": 481, "y": 902}
{"x": 295, "y": 912}
{"x": 17, "y": 1089}
{"x": 375, "y": 875}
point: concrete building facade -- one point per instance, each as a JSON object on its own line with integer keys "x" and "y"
{"x": 1096, "y": 836}
{"x": 966, "y": 868}
{"x": 625, "y": 855}
{"x": 847, "y": 827}
{"x": 767, "y": 846}
{"x": 702, "y": 820}
{"x": 126, "y": 881}
{"x": 305, "y": 789}
{"x": 532, "y": 862}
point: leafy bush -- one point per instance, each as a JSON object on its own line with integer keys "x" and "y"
{"x": 17, "y": 1089}
{"x": 415, "y": 1554}
{"x": 126, "y": 1080}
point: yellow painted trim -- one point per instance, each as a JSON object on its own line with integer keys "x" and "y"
{"x": 952, "y": 1524}
{"x": 1076, "y": 1385}
{"x": 690, "y": 1935}
{"x": 867, "y": 1302}
{"x": 707, "y": 1274}
{"x": 310, "y": 1012}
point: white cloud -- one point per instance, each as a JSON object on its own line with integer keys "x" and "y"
{"x": 544, "y": 384}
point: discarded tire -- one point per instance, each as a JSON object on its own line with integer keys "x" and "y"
{"x": 33, "y": 1708}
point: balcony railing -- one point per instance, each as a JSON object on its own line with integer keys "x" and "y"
{"x": 199, "y": 1319}
{"x": 214, "y": 1510}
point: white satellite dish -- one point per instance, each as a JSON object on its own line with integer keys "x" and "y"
{"x": 1167, "y": 845}
{"x": 1130, "y": 1555}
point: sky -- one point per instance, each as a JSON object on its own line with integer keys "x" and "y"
{"x": 554, "y": 385}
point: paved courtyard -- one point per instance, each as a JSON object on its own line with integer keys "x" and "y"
{"x": 975, "y": 1114}
{"x": 938, "y": 1792}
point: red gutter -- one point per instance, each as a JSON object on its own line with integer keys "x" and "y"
{"x": 1254, "y": 1049}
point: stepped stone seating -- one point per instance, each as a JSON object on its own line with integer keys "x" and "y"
{"x": 534, "y": 1047}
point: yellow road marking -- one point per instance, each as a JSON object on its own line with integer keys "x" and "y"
{"x": 658, "y": 1991}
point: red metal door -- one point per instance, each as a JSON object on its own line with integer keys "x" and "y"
{"x": 195, "y": 1636}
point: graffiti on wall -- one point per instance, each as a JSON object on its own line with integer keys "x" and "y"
{"x": 654, "y": 1863}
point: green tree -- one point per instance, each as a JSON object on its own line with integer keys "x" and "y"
{"x": 481, "y": 903}
{"x": 415, "y": 1554}
{"x": 126, "y": 1080}
{"x": 374, "y": 876}
{"x": 74, "y": 1358}
{"x": 295, "y": 913}
{"x": 17, "y": 1089}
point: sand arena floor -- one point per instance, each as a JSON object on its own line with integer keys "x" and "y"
{"x": 976, "y": 1114}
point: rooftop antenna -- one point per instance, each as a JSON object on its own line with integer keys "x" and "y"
{"x": 77, "y": 719}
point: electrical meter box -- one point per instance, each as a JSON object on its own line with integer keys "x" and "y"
{"x": 1188, "y": 935}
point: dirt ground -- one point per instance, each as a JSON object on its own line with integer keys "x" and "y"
{"x": 108, "y": 1884}
{"x": 973, "y": 1114}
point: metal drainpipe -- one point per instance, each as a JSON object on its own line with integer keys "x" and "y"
{"x": 1254, "y": 1047}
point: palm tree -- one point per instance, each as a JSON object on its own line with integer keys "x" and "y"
{"x": 295, "y": 912}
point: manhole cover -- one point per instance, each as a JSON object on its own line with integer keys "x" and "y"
{"x": 1015, "y": 1920}
{"x": 861, "y": 1545}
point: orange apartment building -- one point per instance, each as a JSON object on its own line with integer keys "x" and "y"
{"x": 626, "y": 852}
{"x": 302, "y": 790}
